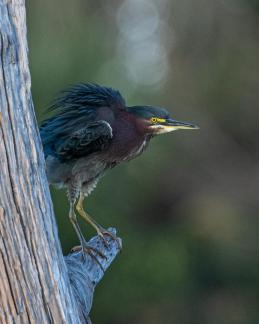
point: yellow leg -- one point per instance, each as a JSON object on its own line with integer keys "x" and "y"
{"x": 84, "y": 246}
{"x": 99, "y": 229}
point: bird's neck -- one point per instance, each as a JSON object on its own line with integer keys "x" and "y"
{"x": 128, "y": 138}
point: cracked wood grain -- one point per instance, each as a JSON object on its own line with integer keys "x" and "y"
{"x": 37, "y": 285}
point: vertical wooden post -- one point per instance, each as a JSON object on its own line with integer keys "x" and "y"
{"x": 36, "y": 284}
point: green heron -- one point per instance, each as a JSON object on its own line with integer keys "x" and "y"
{"x": 93, "y": 130}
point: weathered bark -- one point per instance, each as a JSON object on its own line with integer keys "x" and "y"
{"x": 85, "y": 273}
{"x": 36, "y": 284}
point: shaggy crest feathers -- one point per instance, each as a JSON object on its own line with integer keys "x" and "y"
{"x": 87, "y": 95}
{"x": 73, "y": 110}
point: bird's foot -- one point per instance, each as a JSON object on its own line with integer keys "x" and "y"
{"x": 93, "y": 252}
{"x": 102, "y": 232}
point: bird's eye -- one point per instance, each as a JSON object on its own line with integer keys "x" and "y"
{"x": 153, "y": 120}
{"x": 156, "y": 120}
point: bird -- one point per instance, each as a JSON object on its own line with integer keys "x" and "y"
{"x": 92, "y": 130}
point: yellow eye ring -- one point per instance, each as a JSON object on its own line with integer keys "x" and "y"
{"x": 155, "y": 120}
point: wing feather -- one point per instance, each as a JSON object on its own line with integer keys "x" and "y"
{"x": 92, "y": 138}
{"x": 76, "y": 109}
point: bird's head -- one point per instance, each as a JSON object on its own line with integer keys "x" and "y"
{"x": 156, "y": 120}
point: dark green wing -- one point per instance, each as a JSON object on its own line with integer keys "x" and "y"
{"x": 92, "y": 138}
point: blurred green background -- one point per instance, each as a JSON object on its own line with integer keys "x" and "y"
{"x": 187, "y": 209}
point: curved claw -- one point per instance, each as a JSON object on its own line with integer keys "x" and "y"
{"x": 102, "y": 232}
{"x": 87, "y": 249}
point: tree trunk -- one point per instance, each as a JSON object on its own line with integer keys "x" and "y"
{"x": 37, "y": 285}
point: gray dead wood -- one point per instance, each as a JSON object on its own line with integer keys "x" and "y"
{"x": 37, "y": 285}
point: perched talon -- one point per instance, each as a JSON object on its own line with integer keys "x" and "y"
{"x": 102, "y": 232}
{"x": 87, "y": 249}
{"x": 103, "y": 238}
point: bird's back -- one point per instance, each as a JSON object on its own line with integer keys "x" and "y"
{"x": 80, "y": 130}
{"x": 74, "y": 110}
